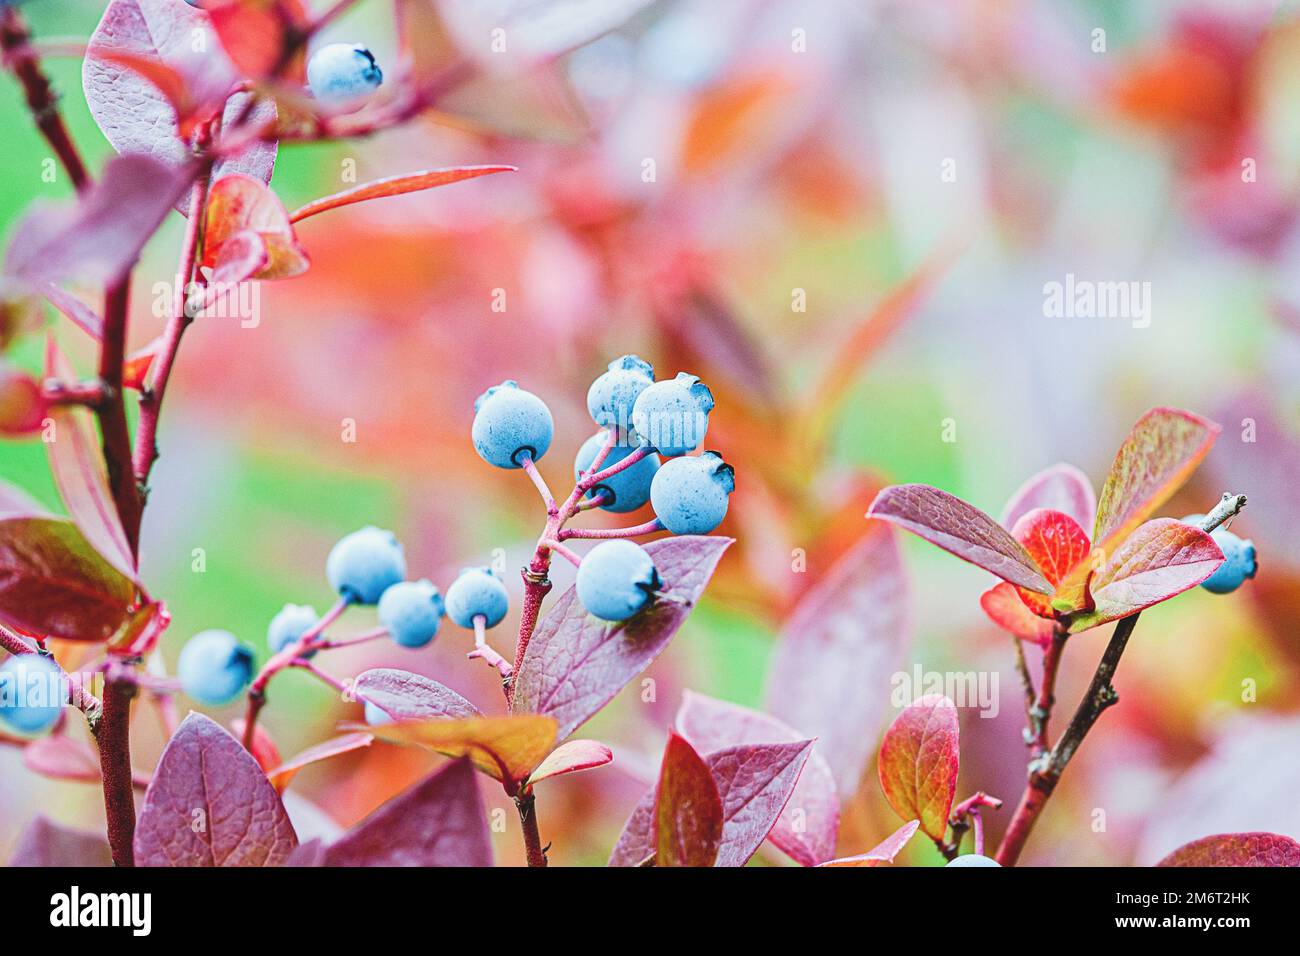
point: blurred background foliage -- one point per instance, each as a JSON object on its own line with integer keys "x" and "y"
{"x": 775, "y": 170}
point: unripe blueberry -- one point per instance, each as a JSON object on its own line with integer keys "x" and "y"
{"x": 613, "y": 393}
{"x": 510, "y": 423}
{"x": 477, "y": 591}
{"x": 1239, "y": 562}
{"x": 630, "y": 488}
{"x": 33, "y": 691}
{"x": 364, "y": 564}
{"x": 376, "y": 717}
{"x": 973, "y": 859}
{"x": 343, "y": 73}
{"x": 412, "y": 611}
{"x": 616, "y": 580}
{"x": 214, "y": 668}
{"x": 673, "y": 416}
{"x": 289, "y": 624}
{"x": 690, "y": 494}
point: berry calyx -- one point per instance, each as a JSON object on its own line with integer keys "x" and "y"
{"x": 613, "y": 394}
{"x": 690, "y": 495}
{"x": 511, "y": 424}
{"x": 616, "y": 580}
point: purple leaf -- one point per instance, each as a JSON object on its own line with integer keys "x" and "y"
{"x": 99, "y": 237}
{"x": 572, "y": 757}
{"x": 209, "y": 804}
{"x": 62, "y": 758}
{"x": 688, "y": 808}
{"x": 76, "y": 310}
{"x": 836, "y": 652}
{"x": 1237, "y": 849}
{"x": 406, "y": 696}
{"x": 576, "y": 663}
{"x": 884, "y": 851}
{"x": 438, "y": 822}
{"x": 45, "y": 843}
{"x": 1061, "y": 488}
{"x": 807, "y": 828}
{"x": 309, "y": 854}
{"x": 960, "y": 529}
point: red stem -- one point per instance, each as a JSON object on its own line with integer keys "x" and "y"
{"x": 527, "y": 804}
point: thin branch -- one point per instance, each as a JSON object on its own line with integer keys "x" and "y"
{"x": 530, "y": 468}
{"x": 635, "y": 531}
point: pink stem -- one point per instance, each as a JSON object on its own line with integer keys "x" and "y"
{"x": 650, "y": 527}
{"x": 329, "y": 645}
{"x": 483, "y": 651}
{"x": 571, "y": 556}
{"x": 530, "y": 468}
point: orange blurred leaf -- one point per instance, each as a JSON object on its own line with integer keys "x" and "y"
{"x": 281, "y": 776}
{"x": 505, "y": 748}
{"x": 396, "y": 186}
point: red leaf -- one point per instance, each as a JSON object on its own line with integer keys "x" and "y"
{"x": 62, "y": 758}
{"x": 281, "y": 775}
{"x": 1162, "y": 558}
{"x": 505, "y": 748}
{"x": 883, "y": 852}
{"x": 1003, "y": 605}
{"x": 1060, "y": 488}
{"x": 918, "y": 763}
{"x": 254, "y": 34}
{"x": 136, "y": 367}
{"x": 396, "y": 186}
{"x": 239, "y": 205}
{"x": 77, "y": 463}
{"x": 22, "y": 405}
{"x": 406, "y": 696}
{"x": 48, "y": 844}
{"x": 265, "y": 752}
{"x": 210, "y": 804}
{"x": 575, "y": 663}
{"x": 53, "y": 583}
{"x": 1237, "y": 849}
{"x": 960, "y": 529}
{"x": 438, "y": 822}
{"x": 847, "y": 633}
{"x": 1053, "y": 539}
{"x": 688, "y": 809}
{"x": 140, "y": 634}
{"x": 571, "y": 757}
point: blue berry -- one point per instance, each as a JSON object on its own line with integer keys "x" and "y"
{"x": 510, "y": 423}
{"x": 1238, "y": 563}
{"x": 343, "y": 73}
{"x": 376, "y": 717}
{"x": 477, "y": 591}
{"x": 412, "y": 611}
{"x": 973, "y": 859}
{"x": 289, "y": 624}
{"x": 214, "y": 667}
{"x": 33, "y": 691}
{"x": 613, "y": 393}
{"x": 364, "y": 564}
{"x": 673, "y": 415}
{"x": 690, "y": 494}
{"x": 616, "y": 580}
{"x": 630, "y": 488}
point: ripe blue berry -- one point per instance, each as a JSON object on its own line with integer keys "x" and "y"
{"x": 289, "y": 624}
{"x": 343, "y": 73}
{"x": 33, "y": 691}
{"x": 364, "y": 564}
{"x": 477, "y": 591}
{"x": 973, "y": 859}
{"x": 412, "y": 611}
{"x": 510, "y": 423}
{"x": 613, "y": 393}
{"x": 630, "y": 488}
{"x": 673, "y": 415}
{"x": 214, "y": 667}
{"x": 616, "y": 579}
{"x": 690, "y": 494}
{"x": 1238, "y": 563}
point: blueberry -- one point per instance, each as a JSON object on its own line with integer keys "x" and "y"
{"x": 613, "y": 393}
{"x": 214, "y": 667}
{"x": 364, "y": 564}
{"x": 33, "y": 691}
{"x": 690, "y": 494}
{"x": 673, "y": 416}
{"x": 412, "y": 611}
{"x": 1238, "y": 563}
{"x": 343, "y": 73}
{"x": 510, "y": 423}
{"x": 973, "y": 859}
{"x": 630, "y": 488}
{"x": 289, "y": 624}
{"x": 376, "y": 717}
{"x": 616, "y": 579}
{"x": 477, "y": 591}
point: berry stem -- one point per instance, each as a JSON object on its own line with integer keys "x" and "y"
{"x": 483, "y": 651}
{"x": 587, "y": 504}
{"x": 329, "y": 645}
{"x": 635, "y": 531}
{"x": 530, "y": 467}
{"x": 327, "y": 679}
{"x": 569, "y": 555}
{"x": 590, "y": 479}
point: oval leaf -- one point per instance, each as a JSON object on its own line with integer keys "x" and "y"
{"x": 918, "y": 763}
{"x": 1004, "y": 607}
{"x": 883, "y": 852}
{"x": 406, "y": 696}
{"x": 45, "y": 843}
{"x": 205, "y": 774}
{"x": 688, "y": 808}
{"x": 1061, "y": 488}
{"x": 505, "y": 748}
{"x": 571, "y": 757}
{"x": 62, "y": 758}
{"x": 1237, "y": 849}
{"x": 396, "y": 186}
{"x": 576, "y": 663}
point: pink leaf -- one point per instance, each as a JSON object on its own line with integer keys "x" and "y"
{"x": 283, "y": 773}
{"x": 76, "y": 310}
{"x": 1162, "y": 558}
{"x": 1237, "y": 849}
{"x": 396, "y": 186}
{"x": 210, "y": 805}
{"x": 575, "y": 663}
{"x": 960, "y": 529}
{"x": 1004, "y": 607}
{"x": 45, "y": 843}
{"x": 571, "y": 757}
{"x": 847, "y": 634}
{"x": 62, "y": 758}
{"x": 406, "y": 696}
{"x": 16, "y": 502}
{"x": 918, "y": 763}
{"x": 1061, "y": 488}
{"x": 438, "y": 822}
{"x": 688, "y": 808}
{"x": 883, "y": 852}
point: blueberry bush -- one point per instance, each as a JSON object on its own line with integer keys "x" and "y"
{"x": 196, "y": 99}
